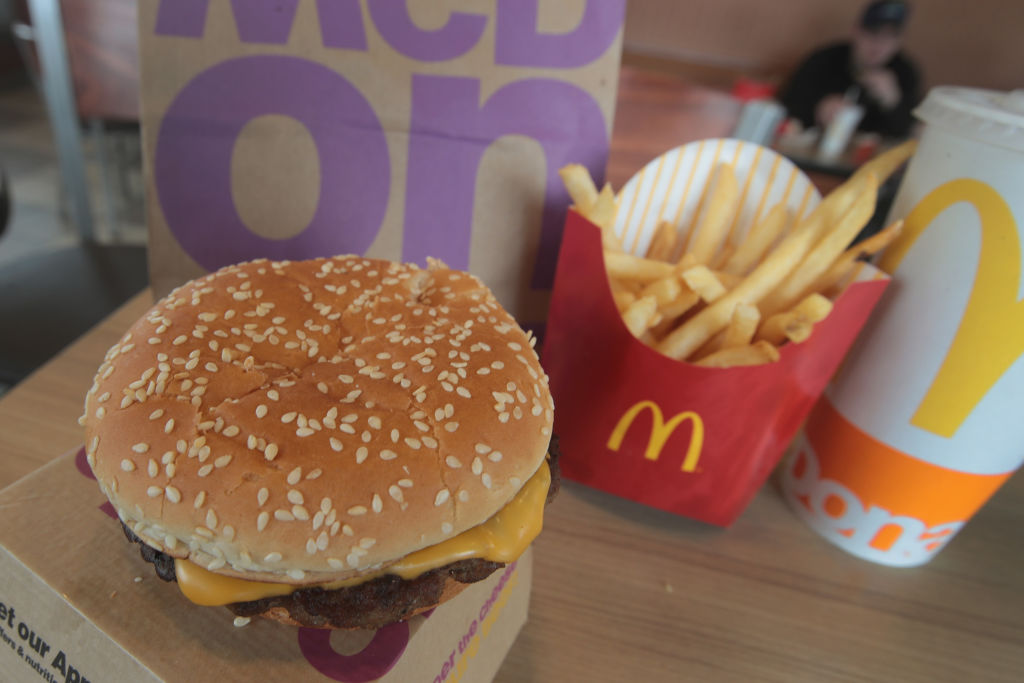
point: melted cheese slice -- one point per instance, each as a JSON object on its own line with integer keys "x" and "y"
{"x": 502, "y": 538}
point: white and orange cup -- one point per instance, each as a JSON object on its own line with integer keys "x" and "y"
{"x": 923, "y": 423}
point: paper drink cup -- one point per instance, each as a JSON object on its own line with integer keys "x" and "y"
{"x": 924, "y": 422}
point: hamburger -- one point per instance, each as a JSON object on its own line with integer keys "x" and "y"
{"x": 334, "y": 443}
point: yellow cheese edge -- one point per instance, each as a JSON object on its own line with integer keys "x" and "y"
{"x": 502, "y": 538}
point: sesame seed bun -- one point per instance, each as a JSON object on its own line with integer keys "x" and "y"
{"x": 302, "y": 422}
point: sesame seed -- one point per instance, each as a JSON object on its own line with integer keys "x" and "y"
{"x": 272, "y": 557}
{"x": 453, "y": 462}
{"x": 357, "y": 510}
{"x": 154, "y": 491}
{"x": 377, "y": 504}
{"x": 463, "y": 495}
{"x": 156, "y": 414}
{"x": 335, "y": 563}
{"x": 395, "y": 492}
{"x": 374, "y": 422}
{"x": 152, "y": 468}
{"x": 361, "y": 454}
{"x": 251, "y": 442}
{"x": 270, "y": 452}
{"x": 446, "y": 528}
{"x": 140, "y": 447}
{"x": 221, "y": 461}
{"x": 413, "y": 443}
{"x": 288, "y": 417}
{"x": 336, "y": 445}
{"x": 283, "y": 515}
{"x": 304, "y": 431}
{"x": 295, "y": 476}
{"x": 169, "y": 426}
{"x": 239, "y": 622}
{"x": 388, "y": 455}
{"x": 486, "y": 480}
{"x": 261, "y": 411}
{"x": 261, "y": 520}
{"x": 295, "y": 497}
{"x": 477, "y": 466}
{"x": 429, "y": 442}
{"x": 127, "y": 465}
{"x": 451, "y": 426}
{"x": 205, "y": 470}
{"x": 494, "y": 456}
{"x": 482, "y": 448}
{"x": 211, "y": 519}
{"x": 200, "y": 499}
{"x": 315, "y": 474}
{"x": 442, "y": 497}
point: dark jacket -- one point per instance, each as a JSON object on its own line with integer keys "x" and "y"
{"x": 829, "y": 71}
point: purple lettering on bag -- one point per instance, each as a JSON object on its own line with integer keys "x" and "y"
{"x": 519, "y": 43}
{"x": 192, "y": 163}
{"x": 341, "y": 24}
{"x": 266, "y": 21}
{"x": 449, "y": 133}
{"x": 455, "y": 38}
{"x": 372, "y": 662}
{"x": 183, "y": 18}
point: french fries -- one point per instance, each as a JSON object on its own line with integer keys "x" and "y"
{"x": 755, "y": 354}
{"x": 723, "y": 302}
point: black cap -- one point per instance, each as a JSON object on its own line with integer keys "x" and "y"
{"x": 884, "y": 13}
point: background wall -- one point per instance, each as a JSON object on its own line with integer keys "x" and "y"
{"x": 955, "y": 42}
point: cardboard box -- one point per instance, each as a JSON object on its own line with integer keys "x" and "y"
{"x": 77, "y": 603}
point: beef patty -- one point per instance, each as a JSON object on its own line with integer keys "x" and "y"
{"x": 371, "y": 604}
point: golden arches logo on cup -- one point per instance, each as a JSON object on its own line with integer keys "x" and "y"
{"x": 990, "y": 337}
{"x": 660, "y": 432}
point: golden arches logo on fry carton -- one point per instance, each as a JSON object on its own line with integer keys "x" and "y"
{"x": 660, "y": 432}
{"x": 698, "y": 315}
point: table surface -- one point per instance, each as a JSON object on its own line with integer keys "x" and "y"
{"x": 624, "y": 592}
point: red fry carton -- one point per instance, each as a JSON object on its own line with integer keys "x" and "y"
{"x": 691, "y": 440}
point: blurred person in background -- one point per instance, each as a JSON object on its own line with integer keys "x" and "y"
{"x": 869, "y": 70}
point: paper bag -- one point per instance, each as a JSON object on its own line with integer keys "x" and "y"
{"x": 692, "y": 440}
{"x": 298, "y": 128}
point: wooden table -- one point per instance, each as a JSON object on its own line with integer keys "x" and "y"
{"x": 624, "y": 593}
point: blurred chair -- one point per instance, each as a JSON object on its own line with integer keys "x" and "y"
{"x": 83, "y": 56}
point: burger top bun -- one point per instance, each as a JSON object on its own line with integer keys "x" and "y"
{"x": 301, "y": 422}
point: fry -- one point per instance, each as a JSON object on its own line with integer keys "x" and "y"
{"x": 843, "y": 265}
{"x": 728, "y": 280}
{"x": 761, "y": 236}
{"x": 702, "y": 281}
{"x": 714, "y": 222}
{"x": 886, "y": 163}
{"x": 665, "y": 290}
{"x": 664, "y": 242}
{"x": 580, "y": 186}
{"x": 742, "y": 326}
{"x": 672, "y": 310}
{"x": 629, "y": 267}
{"x": 638, "y": 314}
{"x": 689, "y": 336}
{"x": 623, "y": 299}
{"x": 797, "y": 324}
{"x": 755, "y": 354}
{"x": 825, "y": 252}
{"x": 603, "y": 211}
